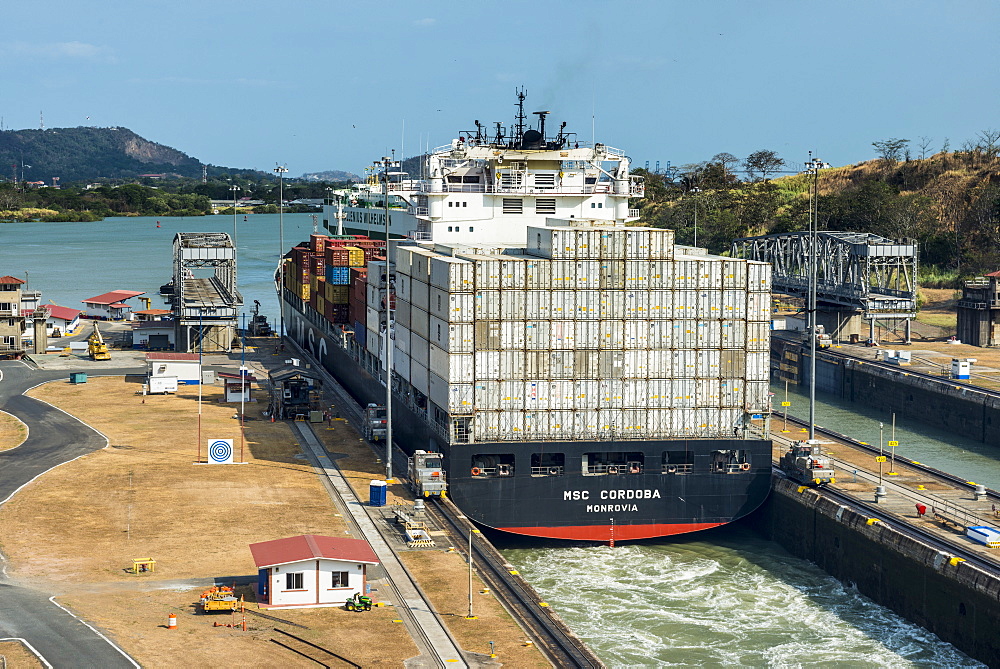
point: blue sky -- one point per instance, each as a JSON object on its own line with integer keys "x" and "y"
{"x": 335, "y": 85}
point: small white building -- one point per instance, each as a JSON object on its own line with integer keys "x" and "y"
{"x": 238, "y": 387}
{"x": 311, "y": 570}
{"x": 157, "y": 335}
{"x": 185, "y": 367}
{"x": 63, "y": 320}
{"x": 111, "y": 306}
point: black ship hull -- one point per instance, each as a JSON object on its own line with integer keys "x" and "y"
{"x": 616, "y": 503}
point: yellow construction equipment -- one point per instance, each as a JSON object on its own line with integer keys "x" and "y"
{"x": 220, "y": 598}
{"x": 96, "y": 346}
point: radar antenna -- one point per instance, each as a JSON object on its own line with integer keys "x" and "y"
{"x": 521, "y": 94}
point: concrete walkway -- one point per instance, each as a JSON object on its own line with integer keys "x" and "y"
{"x": 428, "y": 627}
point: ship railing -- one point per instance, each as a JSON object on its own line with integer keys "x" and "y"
{"x": 419, "y": 235}
{"x": 676, "y": 468}
{"x": 587, "y": 189}
{"x": 732, "y": 467}
{"x": 615, "y": 468}
{"x": 548, "y": 471}
{"x": 492, "y": 472}
{"x": 418, "y": 210}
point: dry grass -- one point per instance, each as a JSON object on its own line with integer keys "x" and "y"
{"x": 17, "y": 656}
{"x": 143, "y": 497}
{"x": 368, "y": 639}
{"x": 444, "y": 576}
{"x": 939, "y": 307}
{"x": 12, "y": 431}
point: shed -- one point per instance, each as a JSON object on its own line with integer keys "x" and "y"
{"x": 185, "y": 366}
{"x": 111, "y": 305}
{"x": 61, "y": 320}
{"x": 154, "y": 335}
{"x": 311, "y": 570}
{"x": 237, "y": 385}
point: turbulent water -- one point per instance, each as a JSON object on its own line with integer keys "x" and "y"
{"x": 724, "y": 598}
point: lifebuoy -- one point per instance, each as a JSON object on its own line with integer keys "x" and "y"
{"x": 554, "y": 471}
{"x": 671, "y": 469}
{"x": 476, "y": 471}
{"x": 745, "y": 466}
{"x": 612, "y": 469}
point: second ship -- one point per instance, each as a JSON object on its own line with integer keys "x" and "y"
{"x": 583, "y": 378}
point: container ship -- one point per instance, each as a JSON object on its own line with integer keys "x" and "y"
{"x": 583, "y": 377}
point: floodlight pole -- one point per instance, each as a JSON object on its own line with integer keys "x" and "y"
{"x": 281, "y": 170}
{"x": 386, "y": 164}
{"x": 813, "y": 167}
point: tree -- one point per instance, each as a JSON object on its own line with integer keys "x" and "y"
{"x": 727, "y": 160}
{"x": 761, "y": 163}
{"x": 988, "y": 143}
{"x": 891, "y": 150}
{"x": 924, "y": 145}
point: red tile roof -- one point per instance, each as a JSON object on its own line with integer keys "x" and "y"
{"x": 153, "y": 312}
{"x": 167, "y": 355}
{"x": 10, "y": 279}
{"x": 997, "y": 273}
{"x": 65, "y": 313}
{"x": 113, "y": 296}
{"x": 310, "y": 547}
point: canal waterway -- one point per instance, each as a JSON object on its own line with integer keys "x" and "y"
{"x": 719, "y": 598}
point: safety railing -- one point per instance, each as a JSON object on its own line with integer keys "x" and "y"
{"x": 614, "y": 469}
{"x": 547, "y": 471}
{"x": 677, "y": 469}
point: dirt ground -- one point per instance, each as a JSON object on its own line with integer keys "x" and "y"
{"x": 12, "y": 431}
{"x": 937, "y": 318}
{"x": 17, "y": 656}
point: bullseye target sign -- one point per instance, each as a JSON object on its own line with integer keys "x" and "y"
{"x": 220, "y": 451}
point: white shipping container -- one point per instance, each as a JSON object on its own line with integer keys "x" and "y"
{"x": 734, "y": 274}
{"x": 757, "y": 398}
{"x": 684, "y": 422}
{"x": 585, "y": 424}
{"x": 661, "y": 392}
{"x": 734, "y": 304}
{"x": 401, "y": 336}
{"x": 707, "y": 364}
{"x": 487, "y": 272}
{"x": 401, "y": 315}
{"x": 731, "y": 393}
{"x": 685, "y": 303}
{"x": 587, "y": 334}
{"x": 685, "y": 276}
{"x": 534, "y": 365}
{"x": 660, "y": 275}
{"x": 636, "y": 304}
{"x": 635, "y": 364}
{"x": 512, "y": 395}
{"x": 563, "y": 304}
{"x": 420, "y": 322}
{"x": 373, "y": 321}
{"x": 452, "y": 367}
{"x": 452, "y": 337}
{"x": 562, "y": 335}
{"x": 452, "y": 274}
{"x": 586, "y": 364}
{"x": 758, "y": 306}
{"x": 635, "y": 393}
{"x": 486, "y": 305}
{"x": 612, "y": 304}
{"x": 420, "y": 263}
{"x": 659, "y": 363}
{"x": 758, "y": 337}
{"x": 419, "y": 350}
{"x": 612, "y": 243}
{"x": 684, "y": 364}
{"x": 636, "y": 334}
{"x": 536, "y": 424}
{"x": 709, "y": 334}
{"x": 661, "y": 334}
{"x": 706, "y": 392}
{"x": 512, "y": 273}
{"x": 587, "y": 274}
{"x": 487, "y": 365}
{"x": 588, "y": 304}
{"x": 418, "y": 376}
{"x": 758, "y": 276}
{"x": 612, "y": 275}
{"x": 611, "y": 364}
{"x": 537, "y": 335}
{"x": 486, "y": 426}
{"x": 733, "y": 333}
{"x": 660, "y": 424}
{"x": 402, "y": 287}
{"x": 419, "y": 294}
{"x": 536, "y": 395}
{"x": 634, "y": 423}
{"x": 563, "y": 274}
{"x": 513, "y": 365}
{"x": 709, "y": 304}
{"x": 661, "y": 304}
{"x": 486, "y": 396}
{"x": 538, "y": 274}
{"x": 637, "y": 243}
{"x": 707, "y": 423}
{"x": 401, "y": 365}
{"x": 560, "y": 424}
{"x": 729, "y": 421}
{"x": 709, "y": 274}
{"x": 559, "y": 394}
{"x": 511, "y": 425}
{"x": 538, "y": 304}
{"x": 610, "y": 394}
{"x": 401, "y": 258}
{"x": 456, "y": 398}
{"x": 586, "y": 393}
{"x": 661, "y": 244}
{"x": 636, "y": 275}
{"x": 758, "y": 366}
{"x": 512, "y": 304}
{"x": 512, "y": 335}
{"x": 588, "y": 244}
{"x": 611, "y": 334}
{"x": 685, "y": 334}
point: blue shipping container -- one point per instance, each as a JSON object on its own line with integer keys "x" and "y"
{"x": 338, "y": 276}
{"x": 360, "y": 335}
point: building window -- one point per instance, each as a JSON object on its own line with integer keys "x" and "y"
{"x": 465, "y": 204}
{"x": 449, "y": 228}
{"x": 513, "y": 205}
{"x": 545, "y": 205}
{"x": 339, "y": 579}
{"x": 294, "y": 581}
{"x": 471, "y": 229}
{"x": 449, "y": 204}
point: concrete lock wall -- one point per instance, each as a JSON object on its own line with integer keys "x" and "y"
{"x": 957, "y": 602}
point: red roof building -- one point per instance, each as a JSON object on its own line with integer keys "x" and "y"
{"x": 111, "y": 305}
{"x": 10, "y": 280}
{"x": 113, "y": 296}
{"x": 170, "y": 355}
{"x": 311, "y": 570}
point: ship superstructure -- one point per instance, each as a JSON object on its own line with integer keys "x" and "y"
{"x": 583, "y": 378}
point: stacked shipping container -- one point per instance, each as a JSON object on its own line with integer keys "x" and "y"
{"x": 589, "y": 333}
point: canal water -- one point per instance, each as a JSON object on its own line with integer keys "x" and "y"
{"x": 720, "y": 598}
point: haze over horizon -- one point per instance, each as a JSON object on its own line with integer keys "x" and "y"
{"x": 322, "y": 86}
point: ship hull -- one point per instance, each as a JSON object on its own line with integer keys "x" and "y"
{"x": 574, "y": 505}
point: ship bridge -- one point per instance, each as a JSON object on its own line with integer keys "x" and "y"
{"x": 206, "y": 306}
{"x": 857, "y": 274}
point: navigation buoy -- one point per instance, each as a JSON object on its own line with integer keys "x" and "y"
{"x": 244, "y": 219}
{"x": 157, "y": 224}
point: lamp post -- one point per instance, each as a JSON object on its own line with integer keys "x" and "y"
{"x": 695, "y": 190}
{"x": 235, "y": 188}
{"x": 813, "y": 166}
{"x": 387, "y": 163}
{"x": 281, "y": 170}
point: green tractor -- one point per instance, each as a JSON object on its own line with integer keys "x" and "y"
{"x": 358, "y": 603}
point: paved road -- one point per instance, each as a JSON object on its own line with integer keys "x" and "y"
{"x": 54, "y": 437}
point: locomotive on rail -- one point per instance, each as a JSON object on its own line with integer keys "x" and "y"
{"x": 805, "y": 463}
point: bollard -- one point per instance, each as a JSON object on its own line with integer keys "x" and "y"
{"x": 879, "y": 493}
{"x": 980, "y": 492}
{"x": 172, "y": 621}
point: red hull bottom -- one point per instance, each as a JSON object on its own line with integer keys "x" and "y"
{"x": 609, "y": 532}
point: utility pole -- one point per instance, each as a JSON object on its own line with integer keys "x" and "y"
{"x": 813, "y": 167}
{"x": 281, "y": 170}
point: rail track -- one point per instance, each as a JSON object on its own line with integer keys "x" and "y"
{"x": 547, "y": 631}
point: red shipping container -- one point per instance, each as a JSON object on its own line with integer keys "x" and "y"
{"x": 317, "y": 242}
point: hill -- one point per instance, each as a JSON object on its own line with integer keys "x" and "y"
{"x": 330, "y": 175}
